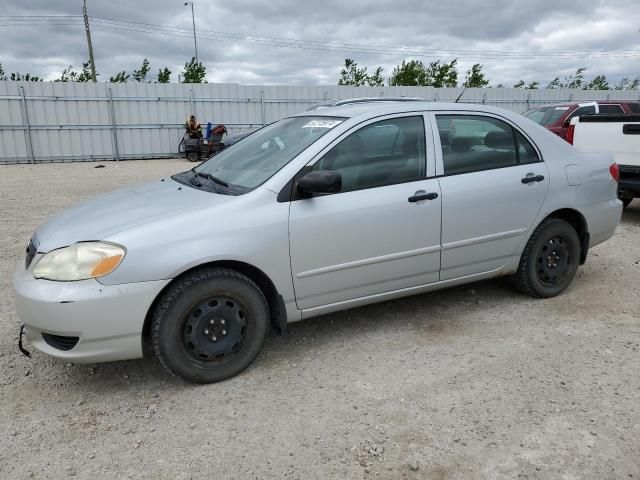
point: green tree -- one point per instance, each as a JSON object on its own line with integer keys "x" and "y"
{"x": 533, "y": 85}
{"x": 520, "y": 84}
{"x": 353, "y": 75}
{"x": 194, "y": 72}
{"x": 2, "y": 75}
{"x": 376, "y": 80}
{"x": 70, "y": 75}
{"x": 120, "y": 77}
{"x": 415, "y": 73}
{"x": 164, "y": 75}
{"x": 27, "y": 77}
{"x": 410, "y": 74}
{"x": 443, "y": 74}
{"x": 553, "y": 84}
{"x": 628, "y": 84}
{"x": 140, "y": 75}
{"x": 475, "y": 78}
{"x": 575, "y": 80}
{"x": 599, "y": 82}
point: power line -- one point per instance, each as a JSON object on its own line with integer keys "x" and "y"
{"x": 106, "y": 23}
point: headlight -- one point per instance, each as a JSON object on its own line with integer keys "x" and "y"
{"x": 79, "y": 261}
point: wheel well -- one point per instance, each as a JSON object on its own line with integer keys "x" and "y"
{"x": 276, "y": 306}
{"x": 575, "y": 218}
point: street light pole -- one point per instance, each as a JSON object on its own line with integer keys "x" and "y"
{"x": 193, "y": 19}
{"x": 88, "y": 32}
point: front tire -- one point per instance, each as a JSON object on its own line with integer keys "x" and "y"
{"x": 549, "y": 260}
{"x": 209, "y": 325}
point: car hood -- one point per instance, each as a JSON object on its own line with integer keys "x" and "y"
{"x": 120, "y": 210}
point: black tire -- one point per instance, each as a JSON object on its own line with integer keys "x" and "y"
{"x": 626, "y": 202}
{"x": 209, "y": 325}
{"x": 549, "y": 260}
{"x": 193, "y": 156}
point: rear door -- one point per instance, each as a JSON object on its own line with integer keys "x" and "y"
{"x": 493, "y": 184}
{"x": 381, "y": 232}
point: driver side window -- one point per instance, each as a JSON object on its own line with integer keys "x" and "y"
{"x": 382, "y": 153}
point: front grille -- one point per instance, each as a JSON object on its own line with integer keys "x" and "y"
{"x": 32, "y": 249}
{"x": 60, "y": 341}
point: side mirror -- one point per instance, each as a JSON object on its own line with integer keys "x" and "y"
{"x": 326, "y": 181}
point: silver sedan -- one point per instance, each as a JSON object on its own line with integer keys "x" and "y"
{"x": 319, "y": 212}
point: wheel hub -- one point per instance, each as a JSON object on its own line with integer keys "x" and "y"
{"x": 554, "y": 260}
{"x": 215, "y": 329}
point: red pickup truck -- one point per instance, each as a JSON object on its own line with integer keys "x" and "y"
{"x": 557, "y": 118}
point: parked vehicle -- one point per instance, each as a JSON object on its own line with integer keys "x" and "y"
{"x": 615, "y": 134}
{"x": 353, "y": 101}
{"x": 557, "y": 118}
{"x": 315, "y": 213}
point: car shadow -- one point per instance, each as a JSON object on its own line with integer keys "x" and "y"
{"x": 433, "y": 316}
{"x": 631, "y": 214}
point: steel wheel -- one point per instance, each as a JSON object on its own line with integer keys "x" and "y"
{"x": 550, "y": 259}
{"x": 215, "y": 329}
{"x": 554, "y": 260}
{"x": 209, "y": 325}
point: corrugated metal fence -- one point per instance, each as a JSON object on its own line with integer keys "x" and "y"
{"x": 52, "y": 122}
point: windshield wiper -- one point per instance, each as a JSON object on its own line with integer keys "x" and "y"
{"x": 211, "y": 177}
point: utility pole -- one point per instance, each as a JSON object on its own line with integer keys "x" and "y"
{"x": 88, "y": 32}
{"x": 193, "y": 19}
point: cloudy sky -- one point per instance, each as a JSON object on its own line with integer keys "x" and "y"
{"x": 285, "y": 41}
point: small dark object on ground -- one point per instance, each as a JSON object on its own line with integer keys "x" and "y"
{"x": 99, "y": 166}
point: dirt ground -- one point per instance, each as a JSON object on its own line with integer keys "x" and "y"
{"x": 474, "y": 382}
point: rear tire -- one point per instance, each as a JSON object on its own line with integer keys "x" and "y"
{"x": 549, "y": 260}
{"x": 193, "y": 156}
{"x": 209, "y": 325}
{"x": 626, "y": 202}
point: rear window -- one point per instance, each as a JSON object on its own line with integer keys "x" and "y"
{"x": 545, "y": 115}
{"x": 634, "y": 107}
{"x": 613, "y": 109}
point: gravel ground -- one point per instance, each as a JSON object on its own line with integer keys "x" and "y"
{"x": 472, "y": 382}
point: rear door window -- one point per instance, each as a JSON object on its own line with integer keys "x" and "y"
{"x": 588, "y": 110}
{"x": 472, "y": 143}
{"x": 613, "y": 109}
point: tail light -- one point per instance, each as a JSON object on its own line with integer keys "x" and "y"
{"x": 569, "y": 135}
{"x": 615, "y": 171}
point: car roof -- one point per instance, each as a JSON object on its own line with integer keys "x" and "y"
{"x": 375, "y": 109}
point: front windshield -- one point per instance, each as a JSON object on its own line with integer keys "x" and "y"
{"x": 545, "y": 115}
{"x": 256, "y": 158}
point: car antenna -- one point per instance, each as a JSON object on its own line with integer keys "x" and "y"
{"x": 461, "y": 93}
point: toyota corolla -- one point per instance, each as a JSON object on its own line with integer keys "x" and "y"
{"x": 319, "y": 212}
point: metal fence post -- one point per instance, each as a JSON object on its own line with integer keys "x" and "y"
{"x": 193, "y": 103}
{"x": 114, "y": 133}
{"x": 27, "y": 125}
{"x": 262, "y": 106}
{"x": 326, "y": 96}
{"x": 528, "y": 101}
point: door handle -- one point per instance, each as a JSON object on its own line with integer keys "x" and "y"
{"x": 532, "y": 178}
{"x": 423, "y": 196}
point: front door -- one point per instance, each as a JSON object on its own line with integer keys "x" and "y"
{"x": 493, "y": 185}
{"x": 381, "y": 232}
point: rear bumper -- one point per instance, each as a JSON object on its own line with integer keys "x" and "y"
{"x": 107, "y": 319}
{"x": 602, "y": 220}
{"x": 629, "y": 184}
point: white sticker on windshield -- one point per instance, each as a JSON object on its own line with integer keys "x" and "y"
{"x": 322, "y": 123}
{"x": 562, "y": 108}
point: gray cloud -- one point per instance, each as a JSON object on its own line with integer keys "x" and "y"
{"x": 536, "y": 27}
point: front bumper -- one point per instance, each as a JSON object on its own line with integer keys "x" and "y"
{"x": 107, "y": 319}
